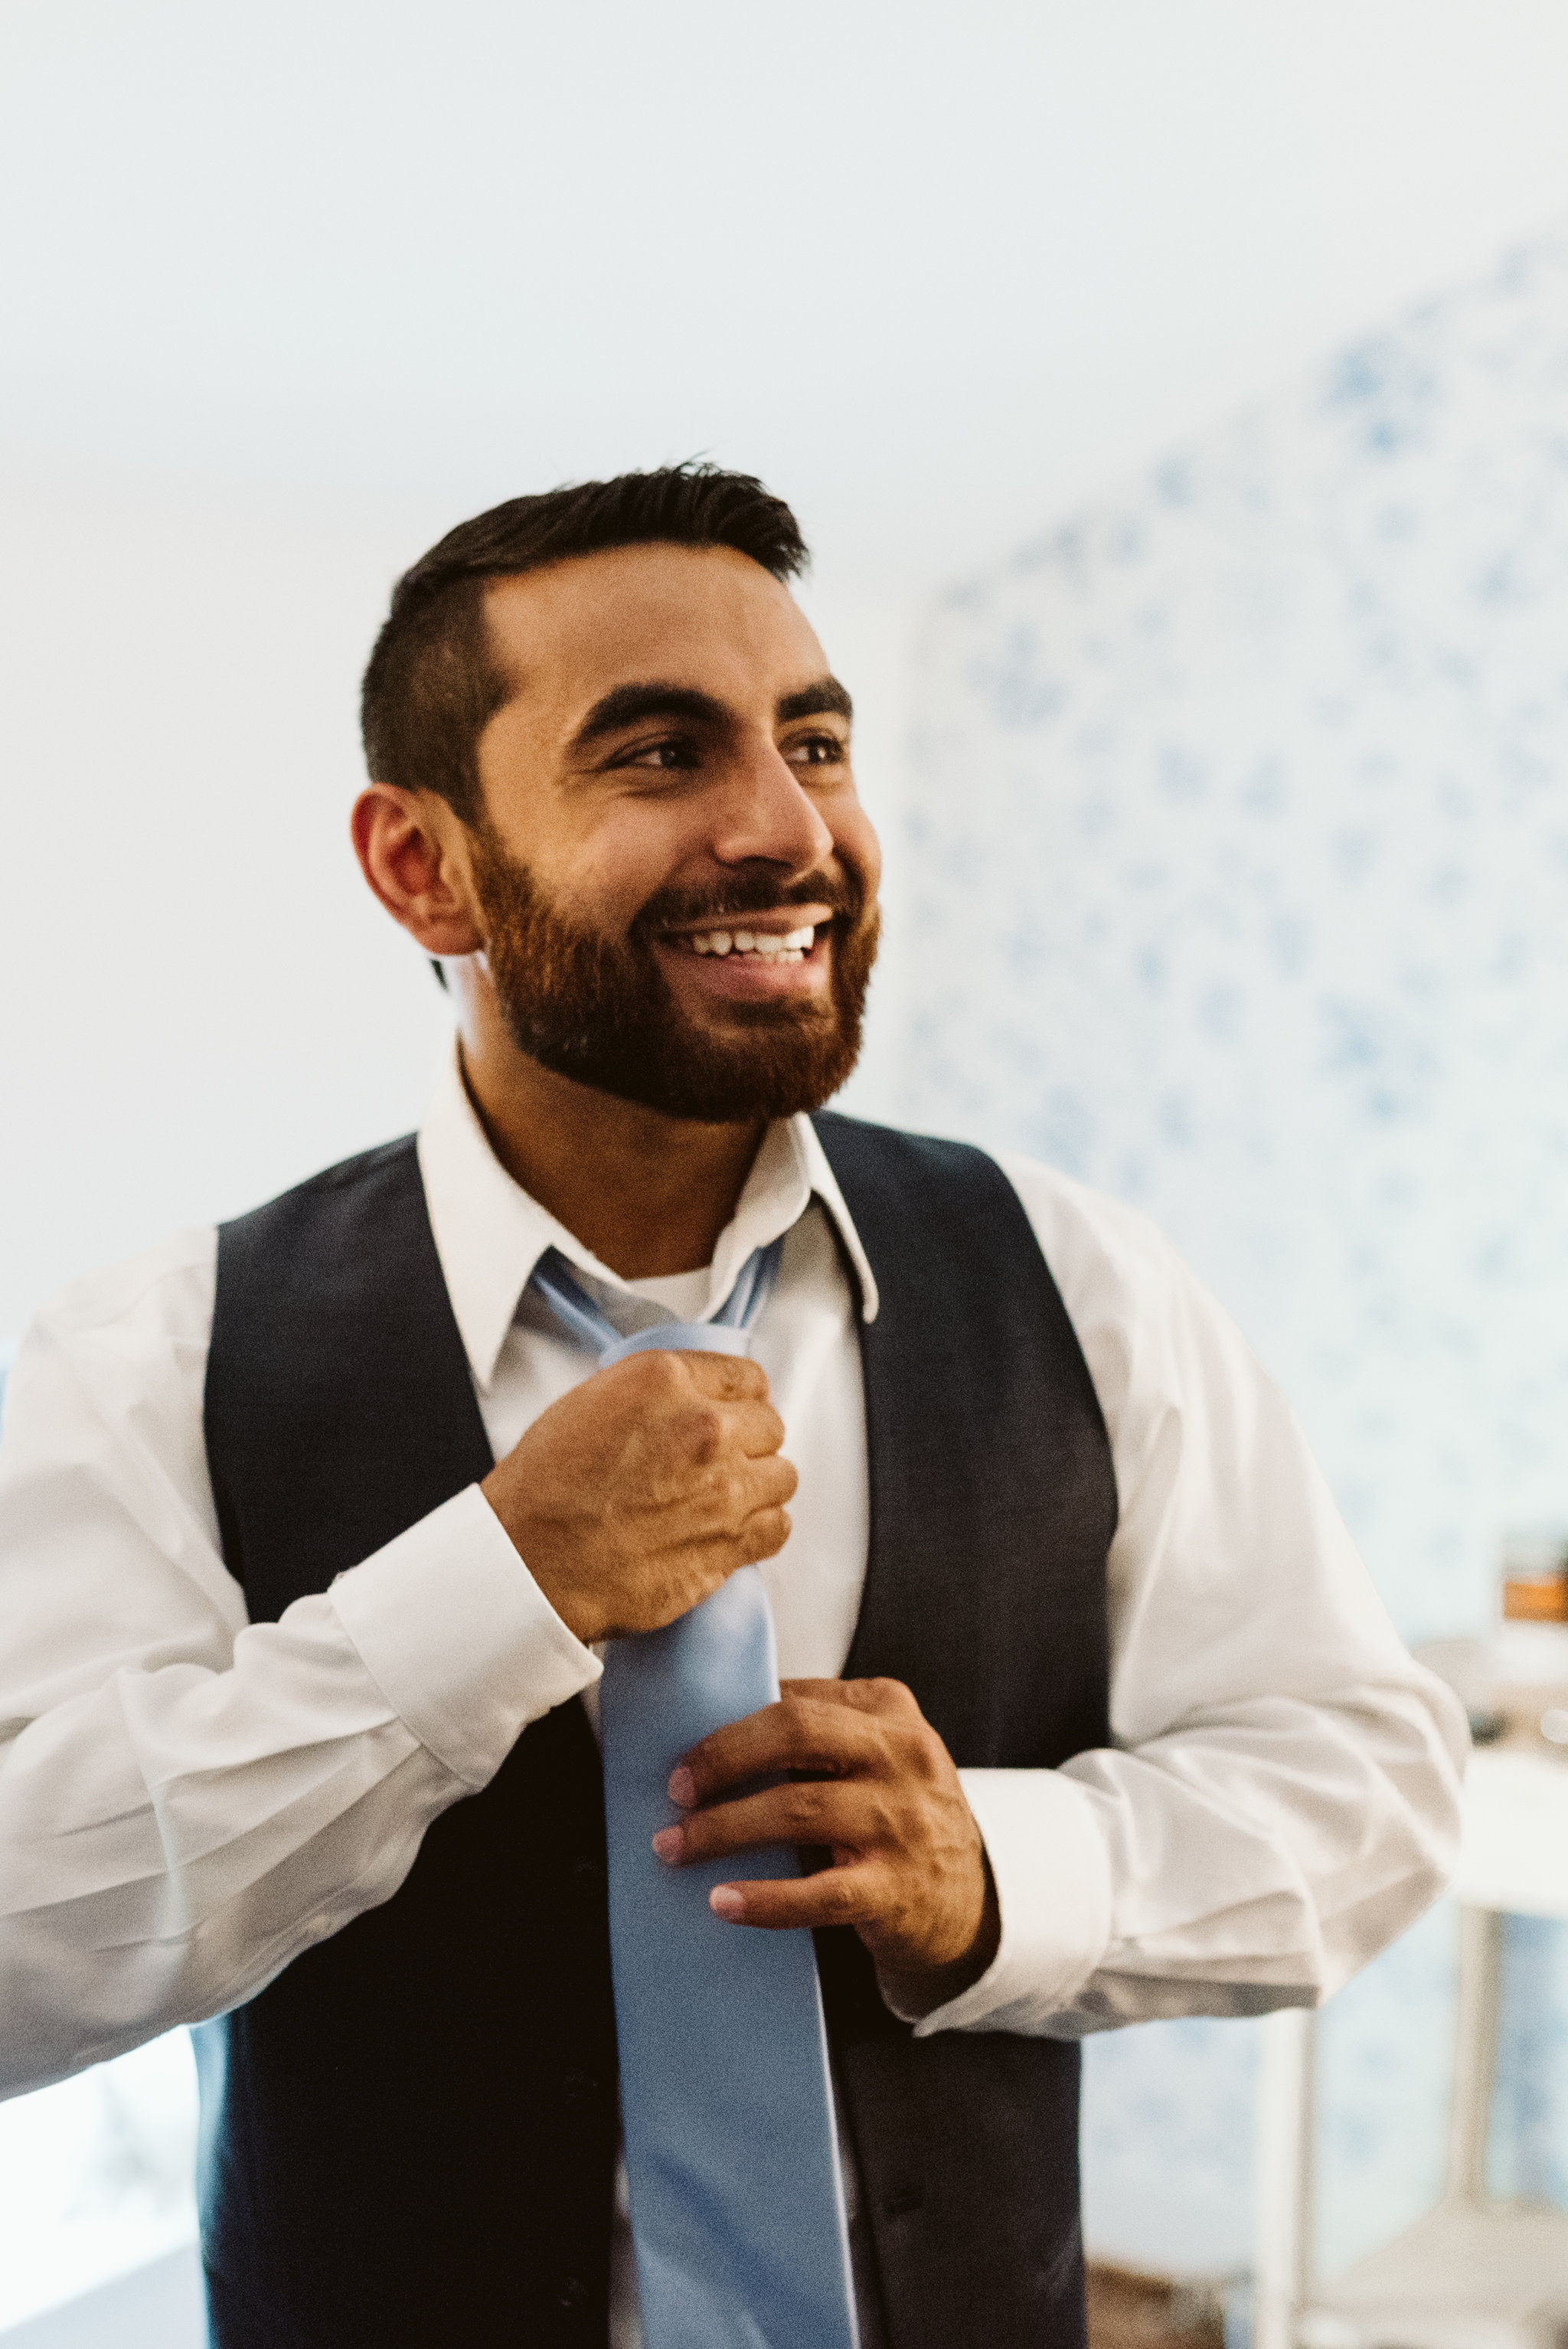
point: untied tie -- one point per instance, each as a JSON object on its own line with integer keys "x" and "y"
{"x": 738, "y": 2197}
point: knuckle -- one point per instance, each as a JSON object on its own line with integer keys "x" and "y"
{"x": 731, "y": 1494}
{"x": 794, "y": 1717}
{"x": 889, "y": 1823}
{"x": 914, "y": 1755}
{"x": 805, "y": 1809}
{"x": 659, "y": 1373}
{"x": 702, "y": 1433}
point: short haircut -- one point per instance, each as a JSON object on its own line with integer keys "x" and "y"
{"x": 434, "y": 683}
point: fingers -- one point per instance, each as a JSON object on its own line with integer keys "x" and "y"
{"x": 849, "y": 1817}
{"x": 829, "y": 1740}
{"x": 727, "y": 1500}
{"x": 855, "y": 1769}
{"x": 770, "y": 1483}
{"x": 763, "y": 1535}
{"x": 838, "y": 1896}
{"x": 881, "y": 1697}
{"x": 754, "y": 1428}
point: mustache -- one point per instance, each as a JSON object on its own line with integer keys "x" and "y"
{"x": 757, "y": 893}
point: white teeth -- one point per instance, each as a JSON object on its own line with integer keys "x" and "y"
{"x": 794, "y": 945}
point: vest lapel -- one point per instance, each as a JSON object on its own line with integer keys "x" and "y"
{"x": 992, "y": 1498}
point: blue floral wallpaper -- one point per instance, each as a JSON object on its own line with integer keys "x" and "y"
{"x": 1238, "y": 859}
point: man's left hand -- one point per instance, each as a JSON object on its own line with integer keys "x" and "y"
{"x": 870, "y": 1780}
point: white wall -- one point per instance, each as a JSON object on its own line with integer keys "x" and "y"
{"x": 287, "y": 291}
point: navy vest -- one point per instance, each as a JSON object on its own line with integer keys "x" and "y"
{"x": 409, "y": 2137}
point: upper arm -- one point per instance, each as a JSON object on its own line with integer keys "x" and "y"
{"x": 109, "y": 1554}
{"x": 1232, "y": 1574}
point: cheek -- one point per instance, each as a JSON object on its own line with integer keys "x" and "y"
{"x": 604, "y": 873}
{"x": 855, "y": 839}
{"x": 624, "y": 861}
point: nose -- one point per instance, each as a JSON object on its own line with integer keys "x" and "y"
{"x": 764, "y": 814}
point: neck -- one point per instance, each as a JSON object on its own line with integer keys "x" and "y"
{"x": 648, "y": 1194}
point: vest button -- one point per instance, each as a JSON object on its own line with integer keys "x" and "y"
{"x": 577, "y": 2087}
{"x": 587, "y": 1874}
{"x": 570, "y": 2296}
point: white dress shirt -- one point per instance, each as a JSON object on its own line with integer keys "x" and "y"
{"x": 188, "y": 1800}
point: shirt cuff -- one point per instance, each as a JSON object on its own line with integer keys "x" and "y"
{"x": 460, "y": 1638}
{"x": 1052, "y": 1874}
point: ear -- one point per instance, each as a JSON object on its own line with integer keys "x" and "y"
{"x": 411, "y": 850}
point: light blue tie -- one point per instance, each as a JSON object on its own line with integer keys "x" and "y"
{"x": 737, "y": 2200}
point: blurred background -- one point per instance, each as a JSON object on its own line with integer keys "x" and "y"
{"x": 1175, "y": 395}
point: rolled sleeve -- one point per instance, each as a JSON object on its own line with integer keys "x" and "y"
{"x": 1052, "y": 1874}
{"x": 458, "y": 1637}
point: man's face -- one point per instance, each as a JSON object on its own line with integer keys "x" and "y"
{"x": 678, "y": 880}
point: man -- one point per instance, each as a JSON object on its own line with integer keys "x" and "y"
{"x": 314, "y": 1533}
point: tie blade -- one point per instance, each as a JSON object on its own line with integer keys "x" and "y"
{"x": 663, "y": 1691}
{"x": 737, "y": 2205}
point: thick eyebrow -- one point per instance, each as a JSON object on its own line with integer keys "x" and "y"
{"x": 628, "y": 705}
{"x": 826, "y": 697}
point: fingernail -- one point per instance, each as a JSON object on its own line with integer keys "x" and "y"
{"x": 667, "y": 1842}
{"x": 726, "y": 1900}
{"x": 683, "y": 1787}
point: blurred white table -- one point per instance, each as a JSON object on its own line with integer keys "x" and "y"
{"x": 1474, "y": 2273}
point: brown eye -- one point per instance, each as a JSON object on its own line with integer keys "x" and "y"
{"x": 662, "y": 755}
{"x": 817, "y": 751}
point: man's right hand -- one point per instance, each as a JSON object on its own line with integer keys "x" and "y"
{"x": 636, "y": 1494}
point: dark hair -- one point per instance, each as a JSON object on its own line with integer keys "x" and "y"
{"x": 433, "y": 682}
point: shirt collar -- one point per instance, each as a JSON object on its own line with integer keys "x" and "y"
{"x": 490, "y": 1234}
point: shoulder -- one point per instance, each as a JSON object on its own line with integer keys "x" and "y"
{"x": 1088, "y": 1237}
{"x": 124, "y": 1348}
{"x": 164, "y": 1291}
{"x": 1082, "y": 1233}
{"x": 1161, "y": 1348}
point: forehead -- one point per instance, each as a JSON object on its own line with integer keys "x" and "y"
{"x": 703, "y": 617}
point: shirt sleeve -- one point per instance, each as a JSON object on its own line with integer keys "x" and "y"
{"x": 186, "y": 1799}
{"x": 1281, "y": 1796}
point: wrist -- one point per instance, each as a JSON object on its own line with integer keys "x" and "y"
{"x": 914, "y": 1992}
{"x": 531, "y": 1540}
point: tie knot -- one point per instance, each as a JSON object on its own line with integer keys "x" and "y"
{"x": 726, "y": 1332}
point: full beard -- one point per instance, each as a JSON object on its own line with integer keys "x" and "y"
{"x": 601, "y": 1012}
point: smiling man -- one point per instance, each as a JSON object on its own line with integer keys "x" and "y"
{"x": 392, "y": 1580}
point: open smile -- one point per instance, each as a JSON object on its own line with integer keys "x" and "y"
{"x": 779, "y": 953}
